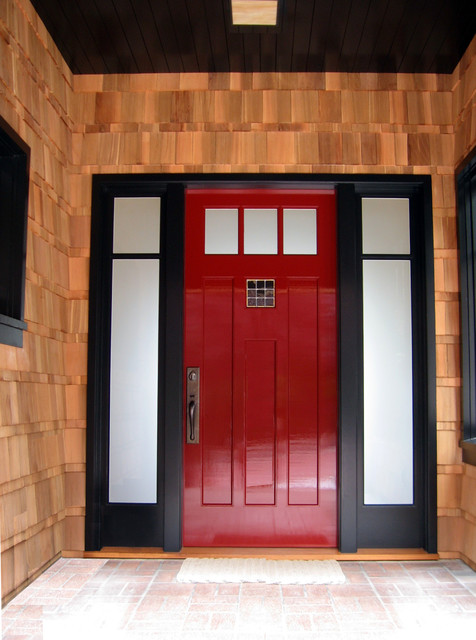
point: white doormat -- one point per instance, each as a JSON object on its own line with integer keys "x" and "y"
{"x": 261, "y": 570}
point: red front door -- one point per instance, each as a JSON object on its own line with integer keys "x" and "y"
{"x": 260, "y": 467}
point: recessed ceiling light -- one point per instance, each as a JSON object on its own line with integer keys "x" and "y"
{"x": 254, "y": 12}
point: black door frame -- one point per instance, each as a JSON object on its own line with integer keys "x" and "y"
{"x": 356, "y": 522}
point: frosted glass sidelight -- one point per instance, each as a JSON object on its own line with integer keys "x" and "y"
{"x": 299, "y": 232}
{"x": 261, "y": 231}
{"x": 385, "y": 225}
{"x": 136, "y": 225}
{"x": 388, "y": 392}
{"x": 134, "y": 381}
{"x": 221, "y": 231}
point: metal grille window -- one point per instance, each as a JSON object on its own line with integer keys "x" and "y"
{"x": 260, "y": 293}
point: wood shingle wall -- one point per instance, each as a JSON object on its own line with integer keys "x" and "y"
{"x": 78, "y": 126}
{"x": 456, "y": 481}
{"x": 36, "y": 95}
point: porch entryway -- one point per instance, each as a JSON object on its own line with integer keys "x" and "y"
{"x": 138, "y": 599}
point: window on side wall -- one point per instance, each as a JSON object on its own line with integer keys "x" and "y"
{"x": 466, "y": 184}
{"x": 14, "y": 167}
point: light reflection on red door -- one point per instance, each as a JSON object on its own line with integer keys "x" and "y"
{"x": 265, "y": 470}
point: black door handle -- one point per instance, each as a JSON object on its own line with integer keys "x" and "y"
{"x": 191, "y": 419}
{"x": 192, "y": 407}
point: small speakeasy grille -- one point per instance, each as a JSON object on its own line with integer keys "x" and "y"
{"x": 260, "y": 293}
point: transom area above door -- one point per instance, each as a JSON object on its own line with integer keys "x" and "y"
{"x": 261, "y": 230}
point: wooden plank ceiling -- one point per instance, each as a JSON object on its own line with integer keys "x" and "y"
{"x": 143, "y": 36}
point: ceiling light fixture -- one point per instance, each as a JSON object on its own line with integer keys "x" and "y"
{"x": 254, "y": 12}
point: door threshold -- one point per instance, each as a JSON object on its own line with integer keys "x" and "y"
{"x": 262, "y": 552}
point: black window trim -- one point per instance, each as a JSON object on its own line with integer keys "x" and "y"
{"x": 17, "y": 153}
{"x": 466, "y": 194}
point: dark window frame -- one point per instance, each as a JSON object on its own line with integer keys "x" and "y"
{"x": 14, "y": 180}
{"x": 466, "y": 190}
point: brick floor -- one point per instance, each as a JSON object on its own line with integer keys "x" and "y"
{"x": 131, "y": 599}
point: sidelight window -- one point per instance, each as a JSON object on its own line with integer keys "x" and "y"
{"x": 387, "y": 349}
{"x": 134, "y": 351}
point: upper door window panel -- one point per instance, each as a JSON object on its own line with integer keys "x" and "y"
{"x": 300, "y": 232}
{"x": 221, "y": 231}
{"x": 262, "y": 231}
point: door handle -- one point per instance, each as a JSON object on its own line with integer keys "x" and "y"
{"x": 193, "y": 405}
{"x": 191, "y": 418}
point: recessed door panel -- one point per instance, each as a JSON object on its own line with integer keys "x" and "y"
{"x": 217, "y": 402}
{"x": 261, "y": 328}
{"x": 303, "y": 392}
{"x": 260, "y": 421}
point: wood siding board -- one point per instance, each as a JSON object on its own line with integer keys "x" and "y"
{"x": 104, "y": 34}
{"x": 382, "y": 59}
{"x": 251, "y": 53}
{"x": 268, "y": 45}
{"x": 132, "y": 32}
{"x": 61, "y": 26}
{"x": 357, "y": 19}
{"x": 111, "y": 48}
{"x": 217, "y": 28}
{"x": 81, "y": 24}
{"x": 184, "y": 35}
{"x": 339, "y": 19}
{"x": 125, "y": 61}
{"x": 319, "y": 33}
{"x": 158, "y": 37}
{"x": 236, "y": 48}
{"x": 414, "y": 50}
{"x": 286, "y": 39}
{"x": 303, "y": 18}
{"x": 201, "y": 35}
{"x": 445, "y": 55}
{"x": 314, "y": 36}
{"x": 438, "y": 35}
{"x": 372, "y": 26}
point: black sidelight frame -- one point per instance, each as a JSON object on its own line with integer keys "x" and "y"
{"x": 387, "y": 526}
{"x": 130, "y": 524}
{"x": 359, "y": 526}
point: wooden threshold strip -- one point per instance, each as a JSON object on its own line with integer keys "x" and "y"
{"x": 270, "y": 553}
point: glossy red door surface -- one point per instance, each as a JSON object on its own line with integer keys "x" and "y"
{"x": 264, "y": 472}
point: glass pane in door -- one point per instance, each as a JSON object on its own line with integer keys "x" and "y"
{"x": 134, "y": 381}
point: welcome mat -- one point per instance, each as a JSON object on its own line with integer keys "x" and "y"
{"x": 261, "y": 570}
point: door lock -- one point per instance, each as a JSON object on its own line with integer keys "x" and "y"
{"x": 193, "y": 405}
